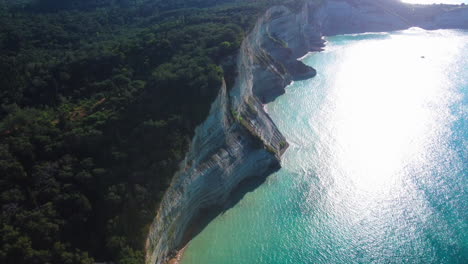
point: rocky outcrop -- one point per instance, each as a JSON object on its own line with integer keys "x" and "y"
{"x": 238, "y": 141}
{"x": 272, "y": 49}
{"x": 344, "y": 17}
{"x": 454, "y": 18}
{"x": 335, "y": 17}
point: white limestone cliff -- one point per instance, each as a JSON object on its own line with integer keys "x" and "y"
{"x": 238, "y": 141}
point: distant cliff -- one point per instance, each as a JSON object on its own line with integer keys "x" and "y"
{"x": 357, "y": 16}
{"x": 238, "y": 141}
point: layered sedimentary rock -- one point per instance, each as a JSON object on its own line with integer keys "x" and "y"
{"x": 239, "y": 141}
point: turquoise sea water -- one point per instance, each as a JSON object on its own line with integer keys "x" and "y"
{"x": 377, "y": 169}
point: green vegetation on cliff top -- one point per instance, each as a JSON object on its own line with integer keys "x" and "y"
{"x": 98, "y": 103}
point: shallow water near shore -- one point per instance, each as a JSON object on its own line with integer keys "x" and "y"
{"x": 377, "y": 169}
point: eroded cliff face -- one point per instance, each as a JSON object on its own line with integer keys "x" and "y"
{"x": 239, "y": 141}
{"x": 335, "y": 17}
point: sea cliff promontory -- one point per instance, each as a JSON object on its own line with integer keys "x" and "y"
{"x": 238, "y": 141}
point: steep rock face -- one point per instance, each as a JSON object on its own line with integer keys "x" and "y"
{"x": 336, "y": 17}
{"x": 344, "y": 17}
{"x": 223, "y": 153}
{"x": 279, "y": 38}
{"x": 238, "y": 140}
{"x": 455, "y": 18}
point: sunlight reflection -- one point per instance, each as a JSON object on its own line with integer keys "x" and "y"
{"x": 385, "y": 115}
{"x": 374, "y": 171}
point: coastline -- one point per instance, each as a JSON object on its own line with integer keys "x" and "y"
{"x": 178, "y": 257}
{"x": 288, "y": 206}
{"x": 237, "y": 110}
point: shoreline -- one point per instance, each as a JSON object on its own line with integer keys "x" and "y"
{"x": 178, "y": 214}
{"x": 197, "y": 252}
{"x": 178, "y": 257}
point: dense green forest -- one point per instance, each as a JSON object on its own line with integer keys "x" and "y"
{"x": 99, "y": 100}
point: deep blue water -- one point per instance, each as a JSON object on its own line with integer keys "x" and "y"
{"x": 377, "y": 167}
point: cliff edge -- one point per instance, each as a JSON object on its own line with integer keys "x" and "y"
{"x": 238, "y": 141}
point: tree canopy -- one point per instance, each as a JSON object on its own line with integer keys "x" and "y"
{"x": 98, "y": 103}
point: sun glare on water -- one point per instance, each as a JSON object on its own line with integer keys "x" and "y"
{"x": 387, "y": 118}
{"x": 375, "y": 170}
{"x": 392, "y": 111}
